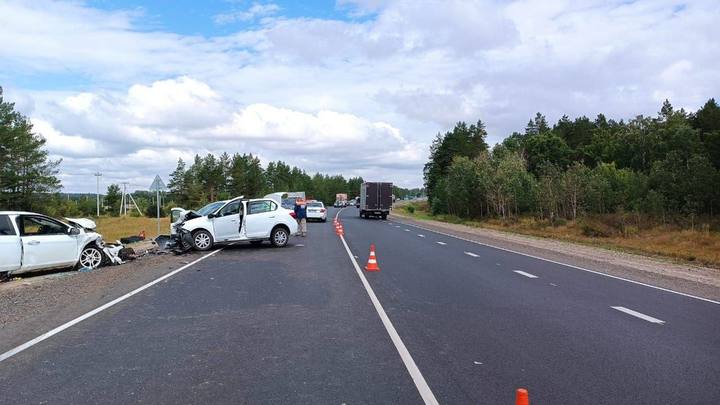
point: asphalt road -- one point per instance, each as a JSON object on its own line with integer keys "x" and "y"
{"x": 296, "y": 325}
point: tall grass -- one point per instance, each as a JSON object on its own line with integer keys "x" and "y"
{"x": 114, "y": 228}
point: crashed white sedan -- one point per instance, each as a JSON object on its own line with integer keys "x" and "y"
{"x": 239, "y": 219}
{"x": 34, "y": 242}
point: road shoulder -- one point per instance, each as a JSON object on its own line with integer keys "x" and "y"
{"x": 695, "y": 280}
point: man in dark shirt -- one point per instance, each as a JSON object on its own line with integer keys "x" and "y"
{"x": 301, "y": 215}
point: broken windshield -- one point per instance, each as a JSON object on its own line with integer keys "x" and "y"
{"x": 210, "y": 208}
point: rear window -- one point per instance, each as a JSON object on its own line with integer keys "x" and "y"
{"x": 315, "y": 204}
{"x": 6, "y": 227}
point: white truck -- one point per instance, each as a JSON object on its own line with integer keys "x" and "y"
{"x": 34, "y": 242}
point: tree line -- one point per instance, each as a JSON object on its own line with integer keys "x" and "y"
{"x": 211, "y": 178}
{"x": 662, "y": 167}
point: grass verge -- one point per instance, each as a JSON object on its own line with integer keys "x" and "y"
{"x": 701, "y": 247}
{"x": 114, "y": 228}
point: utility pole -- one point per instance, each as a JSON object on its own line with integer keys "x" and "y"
{"x": 97, "y": 192}
{"x": 123, "y": 200}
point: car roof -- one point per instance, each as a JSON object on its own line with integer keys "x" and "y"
{"x": 20, "y": 213}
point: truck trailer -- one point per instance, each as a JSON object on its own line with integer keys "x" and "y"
{"x": 376, "y": 199}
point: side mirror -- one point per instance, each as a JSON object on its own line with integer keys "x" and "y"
{"x": 73, "y": 231}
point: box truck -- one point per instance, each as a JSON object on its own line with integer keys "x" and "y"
{"x": 376, "y": 199}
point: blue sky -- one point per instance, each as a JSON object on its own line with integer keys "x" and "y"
{"x": 352, "y": 87}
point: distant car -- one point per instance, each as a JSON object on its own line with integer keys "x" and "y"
{"x": 316, "y": 210}
{"x": 34, "y": 242}
{"x": 239, "y": 219}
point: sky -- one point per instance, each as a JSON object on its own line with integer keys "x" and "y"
{"x": 351, "y": 87}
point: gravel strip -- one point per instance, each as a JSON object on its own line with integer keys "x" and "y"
{"x": 696, "y": 280}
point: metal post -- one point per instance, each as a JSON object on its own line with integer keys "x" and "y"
{"x": 97, "y": 192}
{"x": 157, "y": 203}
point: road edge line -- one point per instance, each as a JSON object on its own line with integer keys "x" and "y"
{"x": 565, "y": 264}
{"x": 420, "y": 383}
{"x": 8, "y": 354}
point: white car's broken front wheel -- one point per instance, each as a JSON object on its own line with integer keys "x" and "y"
{"x": 91, "y": 257}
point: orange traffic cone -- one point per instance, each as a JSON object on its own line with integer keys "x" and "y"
{"x": 372, "y": 260}
{"x": 522, "y": 397}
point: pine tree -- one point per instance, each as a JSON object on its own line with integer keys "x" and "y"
{"x": 26, "y": 173}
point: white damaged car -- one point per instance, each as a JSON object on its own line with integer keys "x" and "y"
{"x": 236, "y": 220}
{"x": 34, "y": 242}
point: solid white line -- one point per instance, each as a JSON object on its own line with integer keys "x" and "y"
{"x": 639, "y": 315}
{"x": 566, "y": 265}
{"x": 422, "y": 385}
{"x": 472, "y": 254}
{"x": 522, "y": 273}
{"x": 441, "y": 243}
{"x": 97, "y": 310}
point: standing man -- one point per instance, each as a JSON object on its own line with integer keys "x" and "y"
{"x": 301, "y": 214}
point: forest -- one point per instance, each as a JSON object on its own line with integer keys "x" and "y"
{"x": 655, "y": 169}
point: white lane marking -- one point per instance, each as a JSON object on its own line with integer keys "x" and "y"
{"x": 639, "y": 315}
{"x": 522, "y": 273}
{"x": 472, "y": 254}
{"x": 441, "y": 243}
{"x": 567, "y": 265}
{"x": 421, "y": 235}
{"x": 97, "y": 310}
{"x": 422, "y": 385}
{"x": 407, "y": 230}
{"x": 553, "y": 284}
{"x": 397, "y": 226}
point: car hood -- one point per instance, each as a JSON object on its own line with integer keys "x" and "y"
{"x": 83, "y": 223}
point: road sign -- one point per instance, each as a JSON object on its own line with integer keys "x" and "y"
{"x": 157, "y": 184}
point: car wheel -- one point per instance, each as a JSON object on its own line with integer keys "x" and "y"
{"x": 279, "y": 237}
{"x": 324, "y": 219}
{"x": 256, "y": 242}
{"x": 91, "y": 257}
{"x": 202, "y": 240}
{"x": 384, "y": 217}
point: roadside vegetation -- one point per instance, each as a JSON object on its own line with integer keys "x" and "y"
{"x": 114, "y": 228}
{"x": 649, "y": 184}
{"x": 619, "y": 231}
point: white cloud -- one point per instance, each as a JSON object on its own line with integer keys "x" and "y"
{"x": 255, "y": 11}
{"x": 359, "y": 96}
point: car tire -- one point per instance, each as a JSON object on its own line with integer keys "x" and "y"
{"x": 324, "y": 220}
{"x": 279, "y": 237}
{"x": 384, "y": 217}
{"x": 202, "y": 240}
{"x": 91, "y": 257}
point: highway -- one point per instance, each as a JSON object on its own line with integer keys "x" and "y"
{"x": 297, "y": 325}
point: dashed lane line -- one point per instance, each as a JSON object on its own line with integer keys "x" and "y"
{"x": 472, "y": 254}
{"x": 564, "y": 264}
{"x": 639, "y": 315}
{"x": 522, "y": 273}
{"x": 441, "y": 243}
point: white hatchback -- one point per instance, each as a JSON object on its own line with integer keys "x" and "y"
{"x": 33, "y": 242}
{"x": 316, "y": 210}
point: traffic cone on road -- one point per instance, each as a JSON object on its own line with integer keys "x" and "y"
{"x": 522, "y": 397}
{"x": 372, "y": 260}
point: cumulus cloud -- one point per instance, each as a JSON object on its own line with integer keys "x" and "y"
{"x": 360, "y": 95}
